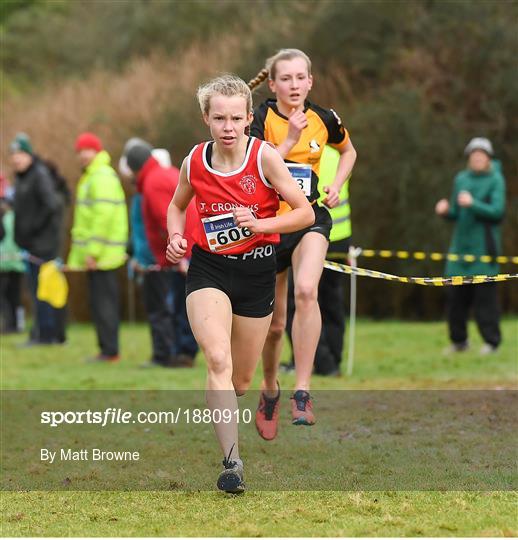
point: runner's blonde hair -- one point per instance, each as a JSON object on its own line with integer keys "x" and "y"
{"x": 226, "y": 85}
{"x": 268, "y": 72}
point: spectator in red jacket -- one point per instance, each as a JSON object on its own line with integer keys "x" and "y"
{"x": 166, "y": 285}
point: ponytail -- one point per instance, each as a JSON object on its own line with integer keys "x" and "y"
{"x": 255, "y": 83}
{"x": 258, "y": 79}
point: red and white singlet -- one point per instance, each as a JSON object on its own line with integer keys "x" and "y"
{"x": 217, "y": 194}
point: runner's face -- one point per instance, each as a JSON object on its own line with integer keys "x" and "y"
{"x": 227, "y": 120}
{"x": 292, "y": 82}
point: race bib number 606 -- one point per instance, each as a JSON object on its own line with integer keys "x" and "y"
{"x": 223, "y": 234}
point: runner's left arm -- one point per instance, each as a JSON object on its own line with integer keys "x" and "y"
{"x": 338, "y": 137}
{"x": 343, "y": 172}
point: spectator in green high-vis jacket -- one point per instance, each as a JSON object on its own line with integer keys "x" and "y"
{"x": 99, "y": 239}
{"x": 331, "y": 289}
{"x": 477, "y": 208}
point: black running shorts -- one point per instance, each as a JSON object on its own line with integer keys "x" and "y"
{"x": 284, "y": 250}
{"x": 247, "y": 279}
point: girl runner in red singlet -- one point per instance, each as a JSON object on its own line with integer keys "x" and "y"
{"x": 231, "y": 279}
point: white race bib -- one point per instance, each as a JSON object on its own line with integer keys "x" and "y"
{"x": 223, "y": 234}
{"x": 301, "y": 173}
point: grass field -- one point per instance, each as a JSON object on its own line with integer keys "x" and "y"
{"x": 390, "y": 355}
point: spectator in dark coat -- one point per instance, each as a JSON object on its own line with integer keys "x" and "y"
{"x": 38, "y": 225}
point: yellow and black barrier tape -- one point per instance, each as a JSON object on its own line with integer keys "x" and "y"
{"x": 422, "y": 255}
{"x": 432, "y": 281}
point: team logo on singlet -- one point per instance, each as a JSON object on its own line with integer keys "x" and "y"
{"x": 314, "y": 146}
{"x": 247, "y": 184}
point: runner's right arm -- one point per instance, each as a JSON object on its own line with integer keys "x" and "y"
{"x": 177, "y": 246}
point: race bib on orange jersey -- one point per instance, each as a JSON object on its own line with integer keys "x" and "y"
{"x": 301, "y": 173}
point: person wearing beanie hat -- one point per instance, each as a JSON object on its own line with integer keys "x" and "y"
{"x": 137, "y": 155}
{"x": 21, "y": 143}
{"x": 477, "y": 208}
{"x": 88, "y": 140}
{"x": 37, "y": 229}
{"x": 173, "y": 342}
{"x": 133, "y": 141}
{"x": 21, "y": 152}
{"x": 87, "y": 146}
{"x": 160, "y": 154}
{"x": 99, "y": 239}
{"x": 141, "y": 259}
{"x": 479, "y": 143}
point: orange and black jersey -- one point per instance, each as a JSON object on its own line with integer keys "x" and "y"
{"x": 324, "y": 127}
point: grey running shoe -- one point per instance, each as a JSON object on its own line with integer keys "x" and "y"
{"x": 231, "y": 477}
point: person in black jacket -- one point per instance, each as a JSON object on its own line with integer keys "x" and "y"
{"x": 38, "y": 223}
